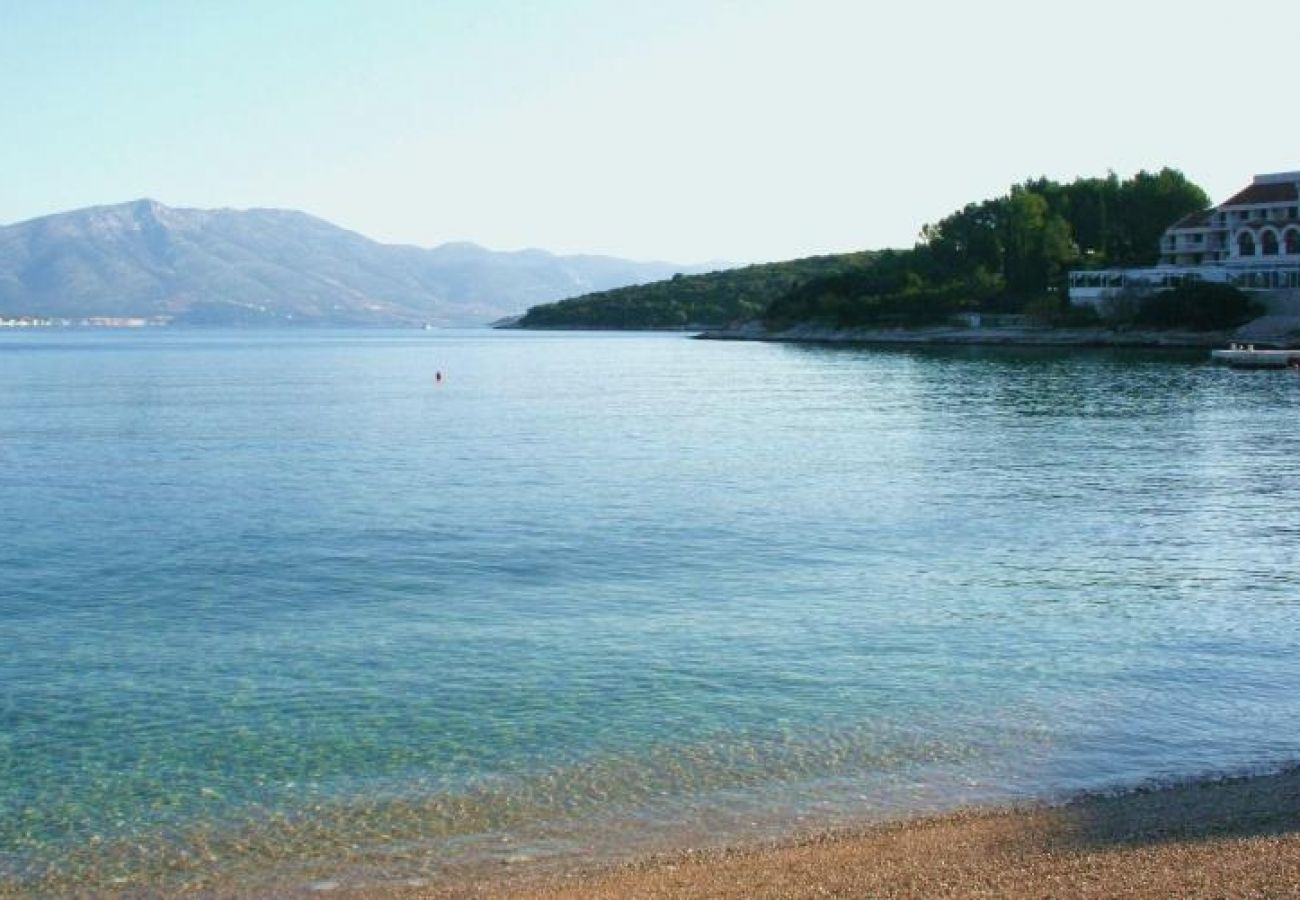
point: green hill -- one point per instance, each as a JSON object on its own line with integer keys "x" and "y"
{"x": 688, "y": 301}
{"x": 1009, "y": 254}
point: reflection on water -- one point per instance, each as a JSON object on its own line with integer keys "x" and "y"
{"x": 276, "y": 599}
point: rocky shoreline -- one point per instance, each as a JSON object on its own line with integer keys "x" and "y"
{"x": 960, "y": 336}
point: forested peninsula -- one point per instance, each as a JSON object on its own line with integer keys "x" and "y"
{"x": 694, "y": 301}
{"x": 1008, "y": 255}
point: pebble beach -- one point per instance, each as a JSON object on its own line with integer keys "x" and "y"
{"x": 1211, "y": 838}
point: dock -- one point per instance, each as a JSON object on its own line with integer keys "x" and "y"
{"x": 1247, "y": 357}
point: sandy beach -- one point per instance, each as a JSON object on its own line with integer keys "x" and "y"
{"x": 1214, "y": 838}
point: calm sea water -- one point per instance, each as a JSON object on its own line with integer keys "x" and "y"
{"x": 284, "y": 602}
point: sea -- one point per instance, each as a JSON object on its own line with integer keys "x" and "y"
{"x": 285, "y": 608}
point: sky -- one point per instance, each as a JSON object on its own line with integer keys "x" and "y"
{"x": 682, "y": 130}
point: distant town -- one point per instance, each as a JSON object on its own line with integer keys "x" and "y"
{"x": 88, "y": 322}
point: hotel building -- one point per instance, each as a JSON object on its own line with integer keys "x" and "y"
{"x": 1251, "y": 241}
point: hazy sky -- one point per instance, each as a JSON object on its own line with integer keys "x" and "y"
{"x": 674, "y": 129}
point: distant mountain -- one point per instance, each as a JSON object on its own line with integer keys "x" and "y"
{"x": 269, "y": 266}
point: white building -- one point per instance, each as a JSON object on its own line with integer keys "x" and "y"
{"x": 1251, "y": 241}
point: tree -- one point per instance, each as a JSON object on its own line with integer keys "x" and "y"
{"x": 1198, "y": 306}
{"x": 1148, "y": 204}
{"x": 1037, "y": 241}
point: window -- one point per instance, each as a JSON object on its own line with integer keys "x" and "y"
{"x": 1245, "y": 244}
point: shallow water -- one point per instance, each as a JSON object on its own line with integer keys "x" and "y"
{"x": 277, "y": 598}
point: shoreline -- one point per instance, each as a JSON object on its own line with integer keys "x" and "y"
{"x": 977, "y": 337}
{"x": 1218, "y": 834}
{"x": 1207, "y": 837}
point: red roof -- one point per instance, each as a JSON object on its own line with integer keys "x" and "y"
{"x": 1284, "y": 192}
{"x": 1194, "y": 220}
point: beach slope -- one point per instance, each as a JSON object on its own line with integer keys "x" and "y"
{"x": 1229, "y": 838}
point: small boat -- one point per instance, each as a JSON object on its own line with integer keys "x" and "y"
{"x": 1245, "y": 356}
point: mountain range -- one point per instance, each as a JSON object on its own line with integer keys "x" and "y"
{"x": 276, "y": 267}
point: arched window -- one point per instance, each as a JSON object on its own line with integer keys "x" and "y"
{"x": 1293, "y": 242}
{"x": 1245, "y": 244}
{"x": 1268, "y": 242}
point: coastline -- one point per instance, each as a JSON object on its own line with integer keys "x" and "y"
{"x": 1211, "y": 837}
{"x": 812, "y": 333}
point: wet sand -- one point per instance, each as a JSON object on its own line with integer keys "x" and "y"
{"x": 1216, "y": 838}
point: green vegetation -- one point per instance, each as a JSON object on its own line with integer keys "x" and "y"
{"x": 713, "y": 299}
{"x": 1197, "y": 306}
{"x": 891, "y": 292}
{"x": 1005, "y": 255}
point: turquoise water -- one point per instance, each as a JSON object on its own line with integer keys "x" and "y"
{"x": 271, "y": 599}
